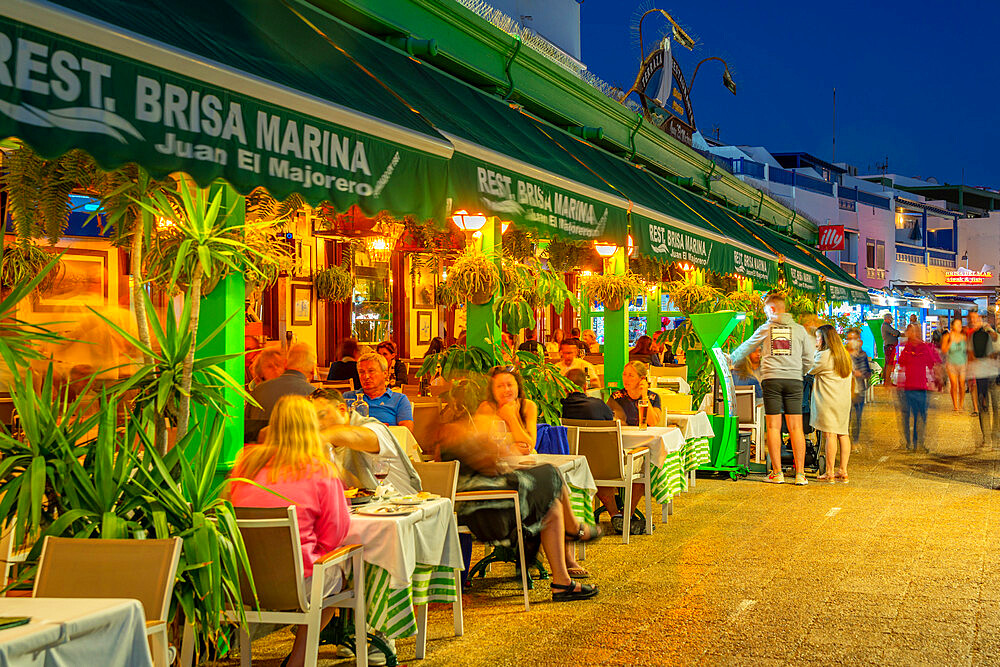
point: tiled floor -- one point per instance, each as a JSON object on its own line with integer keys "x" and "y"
{"x": 897, "y": 567}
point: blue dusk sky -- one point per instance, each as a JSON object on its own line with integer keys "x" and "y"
{"x": 916, "y": 81}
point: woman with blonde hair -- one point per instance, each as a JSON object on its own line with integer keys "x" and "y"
{"x": 833, "y": 371}
{"x": 295, "y": 463}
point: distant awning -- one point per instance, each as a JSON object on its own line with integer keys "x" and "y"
{"x": 233, "y": 89}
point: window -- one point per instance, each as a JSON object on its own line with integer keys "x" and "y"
{"x": 870, "y": 258}
{"x": 880, "y": 254}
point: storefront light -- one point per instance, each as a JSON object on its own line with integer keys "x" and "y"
{"x": 469, "y": 222}
{"x": 605, "y": 250}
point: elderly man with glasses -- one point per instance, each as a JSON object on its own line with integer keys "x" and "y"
{"x": 389, "y": 407}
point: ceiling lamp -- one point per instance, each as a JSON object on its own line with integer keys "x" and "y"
{"x": 469, "y": 222}
{"x": 605, "y": 250}
{"x": 379, "y": 248}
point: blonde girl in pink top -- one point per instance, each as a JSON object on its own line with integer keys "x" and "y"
{"x": 295, "y": 463}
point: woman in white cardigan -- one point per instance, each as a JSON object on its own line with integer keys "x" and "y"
{"x": 831, "y": 399}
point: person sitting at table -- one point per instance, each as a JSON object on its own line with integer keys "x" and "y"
{"x": 397, "y": 369}
{"x": 293, "y": 468}
{"x": 505, "y": 400}
{"x": 645, "y": 352}
{"x": 547, "y": 519}
{"x": 347, "y": 367}
{"x": 300, "y": 366}
{"x": 746, "y": 374}
{"x": 357, "y": 441}
{"x": 267, "y": 365}
{"x": 577, "y": 405}
{"x": 389, "y": 407}
{"x": 568, "y": 360}
{"x": 625, "y": 402}
{"x": 531, "y": 344}
{"x": 589, "y": 340}
{"x": 552, "y": 346}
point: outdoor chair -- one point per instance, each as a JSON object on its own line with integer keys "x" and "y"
{"x": 271, "y": 536}
{"x": 610, "y": 464}
{"x": 426, "y": 419}
{"x": 501, "y": 494}
{"x": 143, "y": 570}
{"x": 340, "y": 385}
{"x": 440, "y": 478}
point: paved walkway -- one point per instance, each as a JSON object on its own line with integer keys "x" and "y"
{"x": 896, "y": 567}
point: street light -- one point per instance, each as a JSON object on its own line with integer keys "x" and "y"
{"x": 469, "y": 222}
{"x": 680, "y": 36}
{"x": 605, "y": 250}
{"x": 727, "y": 78}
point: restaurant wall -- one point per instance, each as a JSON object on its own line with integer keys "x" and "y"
{"x": 422, "y": 323}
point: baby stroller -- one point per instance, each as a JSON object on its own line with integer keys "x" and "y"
{"x": 815, "y": 459}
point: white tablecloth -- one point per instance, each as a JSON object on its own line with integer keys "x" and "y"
{"x": 668, "y": 381}
{"x": 406, "y": 441}
{"x": 77, "y": 631}
{"x": 696, "y": 425}
{"x": 661, "y": 441}
{"x": 574, "y": 469}
{"x": 396, "y": 544}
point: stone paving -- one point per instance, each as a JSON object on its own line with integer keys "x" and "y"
{"x": 896, "y": 567}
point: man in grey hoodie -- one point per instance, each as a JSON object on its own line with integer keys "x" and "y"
{"x": 787, "y": 354}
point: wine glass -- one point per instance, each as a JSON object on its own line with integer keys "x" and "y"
{"x": 380, "y": 468}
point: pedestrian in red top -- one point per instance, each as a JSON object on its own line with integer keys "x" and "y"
{"x": 916, "y": 365}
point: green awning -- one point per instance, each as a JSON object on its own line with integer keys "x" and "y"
{"x": 845, "y": 294}
{"x": 234, "y": 89}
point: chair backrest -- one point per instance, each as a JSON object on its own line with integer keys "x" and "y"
{"x": 439, "y": 477}
{"x": 596, "y": 359}
{"x": 675, "y": 402}
{"x": 573, "y": 434}
{"x": 143, "y": 570}
{"x": 670, "y": 370}
{"x": 6, "y": 411}
{"x": 411, "y": 390}
{"x": 426, "y": 418}
{"x": 746, "y": 400}
{"x": 271, "y": 537}
{"x": 602, "y": 445}
{"x": 339, "y": 385}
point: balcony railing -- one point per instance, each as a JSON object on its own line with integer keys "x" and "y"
{"x": 851, "y": 268}
{"x": 909, "y": 258}
{"x": 876, "y": 273}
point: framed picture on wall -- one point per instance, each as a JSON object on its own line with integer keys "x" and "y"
{"x": 303, "y": 267}
{"x": 424, "y": 328}
{"x": 81, "y": 282}
{"x": 302, "y": 305}
{"x": 424, "y": 283}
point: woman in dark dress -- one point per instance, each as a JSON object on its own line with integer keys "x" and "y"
{"x": 645, "y": 352}
{"x": 347, "y": 367}
{"x": 546, "y": 518}
{"x": 397, "y": 369}
{"x": 625, "y": 402}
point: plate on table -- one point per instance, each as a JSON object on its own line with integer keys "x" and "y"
{"x": 387, "y": 510}
{"x": 414, "y": 499}
{"x": 357, "y": 496}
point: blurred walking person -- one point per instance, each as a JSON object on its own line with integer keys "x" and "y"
{"x": 833, "y": 371}
{"x": 787, "y": 353}
{"x": 983, "y": 368}
{"x": 916, "y": 365}
{"x": 954, "y": 346}
{"x": 890, "y": 341}
{"x": 862, "y": 375}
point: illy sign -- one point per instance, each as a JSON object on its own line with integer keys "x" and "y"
{"x": 831, "y": 237}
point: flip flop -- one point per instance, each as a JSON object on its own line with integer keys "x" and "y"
{"x": 578, "y": 573}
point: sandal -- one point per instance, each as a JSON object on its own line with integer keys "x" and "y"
{"x": 825, "y": 477}
{"x": 574, "y": 591}
{"x": 578, "y": 573}
{"x": 841, "y": 477}
{"x": 586, "y": 533}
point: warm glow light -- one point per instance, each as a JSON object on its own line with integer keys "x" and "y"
{"x": 605, "y": 249}
{"x": 469, "y": 222}
{"x": 163, "y": 223}
{"x": 586, "y": 273}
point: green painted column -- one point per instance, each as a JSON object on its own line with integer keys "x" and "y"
{"x": 481, "y": 329}
{"x": 227, "y": 300}
{"x": 615, "y": 329}
{"x": 653, "y": 311}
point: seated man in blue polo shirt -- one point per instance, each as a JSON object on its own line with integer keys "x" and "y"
{"x": 389, "y": 407}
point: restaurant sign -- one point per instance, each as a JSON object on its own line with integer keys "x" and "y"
{"x": 967, "y": 277}
{"x": 551, "y": 211}
{"x": 57, "y": 94}
{"x": 799, "y": 279}
{"x": 837, "y": 293}
{"x": 751, "y": 266}
{"x": 669, "y": 244}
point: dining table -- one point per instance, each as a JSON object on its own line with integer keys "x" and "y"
{"x": 74, "y": 631}
{"x": 411, "y": 558}
{"x": 698, "y": 434}
{"x": 576, "y": 475}
{"x": 407, "y": 441}
{"x": 666, "y": 463}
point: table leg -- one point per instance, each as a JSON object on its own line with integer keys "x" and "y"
{"x": 670, "y": 506}
{"x": 421, "y": 630}
{"x": 456, "y": 607}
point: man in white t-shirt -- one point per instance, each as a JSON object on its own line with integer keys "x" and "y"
{"x": 357, "y": 441}
{"x": 568, "y": 360}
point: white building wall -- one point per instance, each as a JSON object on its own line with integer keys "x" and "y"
{"x": 558, "y": 21}
{"x": 980, "y": 237}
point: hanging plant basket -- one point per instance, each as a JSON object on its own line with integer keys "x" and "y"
{"x": 334, "y": 284}
{"x": 480, "y": 298}
{"x": 20, "y": 263}
{"x": 473, "y": 277}
{"x": 611, "y": 290}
